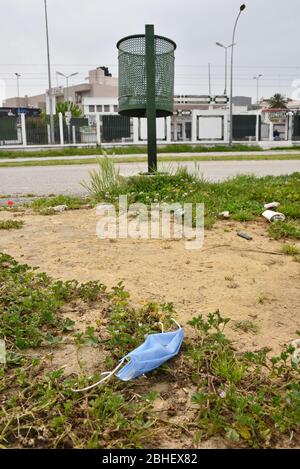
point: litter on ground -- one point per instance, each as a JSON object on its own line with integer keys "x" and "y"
{"x": 156, "y": 350}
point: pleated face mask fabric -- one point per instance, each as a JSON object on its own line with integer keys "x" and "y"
{"x": 156, "y": 350}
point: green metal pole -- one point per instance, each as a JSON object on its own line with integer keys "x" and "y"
{"x": 151, "y": 100}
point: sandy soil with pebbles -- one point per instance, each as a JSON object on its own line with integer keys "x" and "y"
{"x": 229, "y": 273}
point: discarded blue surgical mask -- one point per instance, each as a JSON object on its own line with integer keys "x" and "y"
{"x": 156, "y": 350}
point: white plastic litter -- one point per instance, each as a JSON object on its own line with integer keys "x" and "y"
{"x": 272, "y": 216}
{"x": 224, "y": 214}
{"x": 2, "y": 352}
{"x": 296, "y": 353}
{"x": 60, "y": 208}
{"x": 272, "y": 205}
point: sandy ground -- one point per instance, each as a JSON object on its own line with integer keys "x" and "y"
{"x": 227, "y": 274}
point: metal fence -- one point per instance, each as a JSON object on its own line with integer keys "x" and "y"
{"x": 115, "y": 129}
{"x": 296, "y": 129}
{"x": 10, "y": 130}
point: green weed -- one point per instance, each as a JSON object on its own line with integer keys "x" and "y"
{"x": 11, "y": 224}
{"x": 290, "y": 249}
{"x": 246, "y": 398}
{"x": 246, "y": 326}
{"x": 283, "y": 230}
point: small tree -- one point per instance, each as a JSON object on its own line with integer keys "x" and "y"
{"x": 278, "y": 102}
{"x": 65, "y": 106}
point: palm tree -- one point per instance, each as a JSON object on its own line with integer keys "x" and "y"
{"x": 65, "y": 106}
{"x": 278, "y": 102}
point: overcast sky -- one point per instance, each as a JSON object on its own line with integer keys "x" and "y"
{"x": 83, "y": 35}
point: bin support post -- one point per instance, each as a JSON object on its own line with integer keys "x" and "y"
{"x": 151, "y": 100}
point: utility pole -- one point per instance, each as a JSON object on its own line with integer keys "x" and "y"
{"x": 226, "y": 67}
{"x": 257, "y": 86}
{"x": 209, "y": 80}
{"x": 52, "y": 137}
{"x": 242, "y": 8}
{"x": 18, "y": 84}
{"x": 67, "y": 77}
{"x": 18, "y": 87}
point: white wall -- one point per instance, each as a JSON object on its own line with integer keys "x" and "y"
{"x": 99, "y": 101}
{"x": 210, "y": 128}
{"x": 160, "y": 129}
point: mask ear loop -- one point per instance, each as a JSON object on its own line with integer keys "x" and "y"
{"x": 108, "y": 374}
{"x": 177, "y": 324}
{"x": 162, "y": 326}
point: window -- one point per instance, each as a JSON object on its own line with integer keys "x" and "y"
{"x": 99, "y": 108}
{"x": 91, "y": 108}
{"x": 106, "y": 107}
{"x": 115, "y": 108}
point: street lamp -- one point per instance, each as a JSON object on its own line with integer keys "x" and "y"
{"x": 18, "y": 84}
{"x": 226, "y": 68}
{"x": 257, "y": 85}
{"x": 67, "y": 77}
{"x": 52, "y": 137}
{"x": 242, "y": 8}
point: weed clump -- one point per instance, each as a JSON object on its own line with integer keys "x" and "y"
{"x": 11, "y": 224}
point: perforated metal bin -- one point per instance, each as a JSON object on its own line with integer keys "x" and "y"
{"x": 133, "y": 76}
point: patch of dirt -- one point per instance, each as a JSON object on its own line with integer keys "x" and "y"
{"x": 226, "y": 274}
{"x": 82, "y": 360}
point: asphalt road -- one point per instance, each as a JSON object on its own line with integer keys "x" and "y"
{"x": 44, "y": 180}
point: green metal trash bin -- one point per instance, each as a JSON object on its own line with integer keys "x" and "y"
{"x": 133, "y": 76}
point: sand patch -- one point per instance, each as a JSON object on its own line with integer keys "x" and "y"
{"x": 227, "y": 274}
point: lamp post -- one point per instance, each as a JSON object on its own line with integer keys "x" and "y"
{"x": 18, "y": 84}
{"x": 52, "y": 137}
{"x": 67, "y": 77}
{"x": 242, "y": 8}
{"x": 226, "y": 68}
{"x": 257, "y": 86}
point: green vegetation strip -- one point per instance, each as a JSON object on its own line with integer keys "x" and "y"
{"x": 246, "y": 399}
{"x": 130, "y": 150}
{"x": 11, "y": 224}
{"x": 183, "y": 148}
{"x": 243, "y": 196}
{"x": 143, "y": 159}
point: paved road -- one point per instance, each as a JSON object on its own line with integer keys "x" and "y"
{"x": 141, "y": 155}
{"x": 43, "y": 180}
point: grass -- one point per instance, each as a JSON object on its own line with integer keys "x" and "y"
{"x": 243, "y": 196}
{"x": 143, "y": 159}
{"x": 281, "y": 230}
{"x": 290, "y": 250}
{"x": 55, "y": 200}
{"x": 246, "y": 398}
{"x": 40, "y": 408}
{"x": 45, "y": 205}
{"x": 130, "y": 150}
{"x": 107, "y": 177}
{"x": 11, "y": 224}
{"x": 246, "y": 326}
